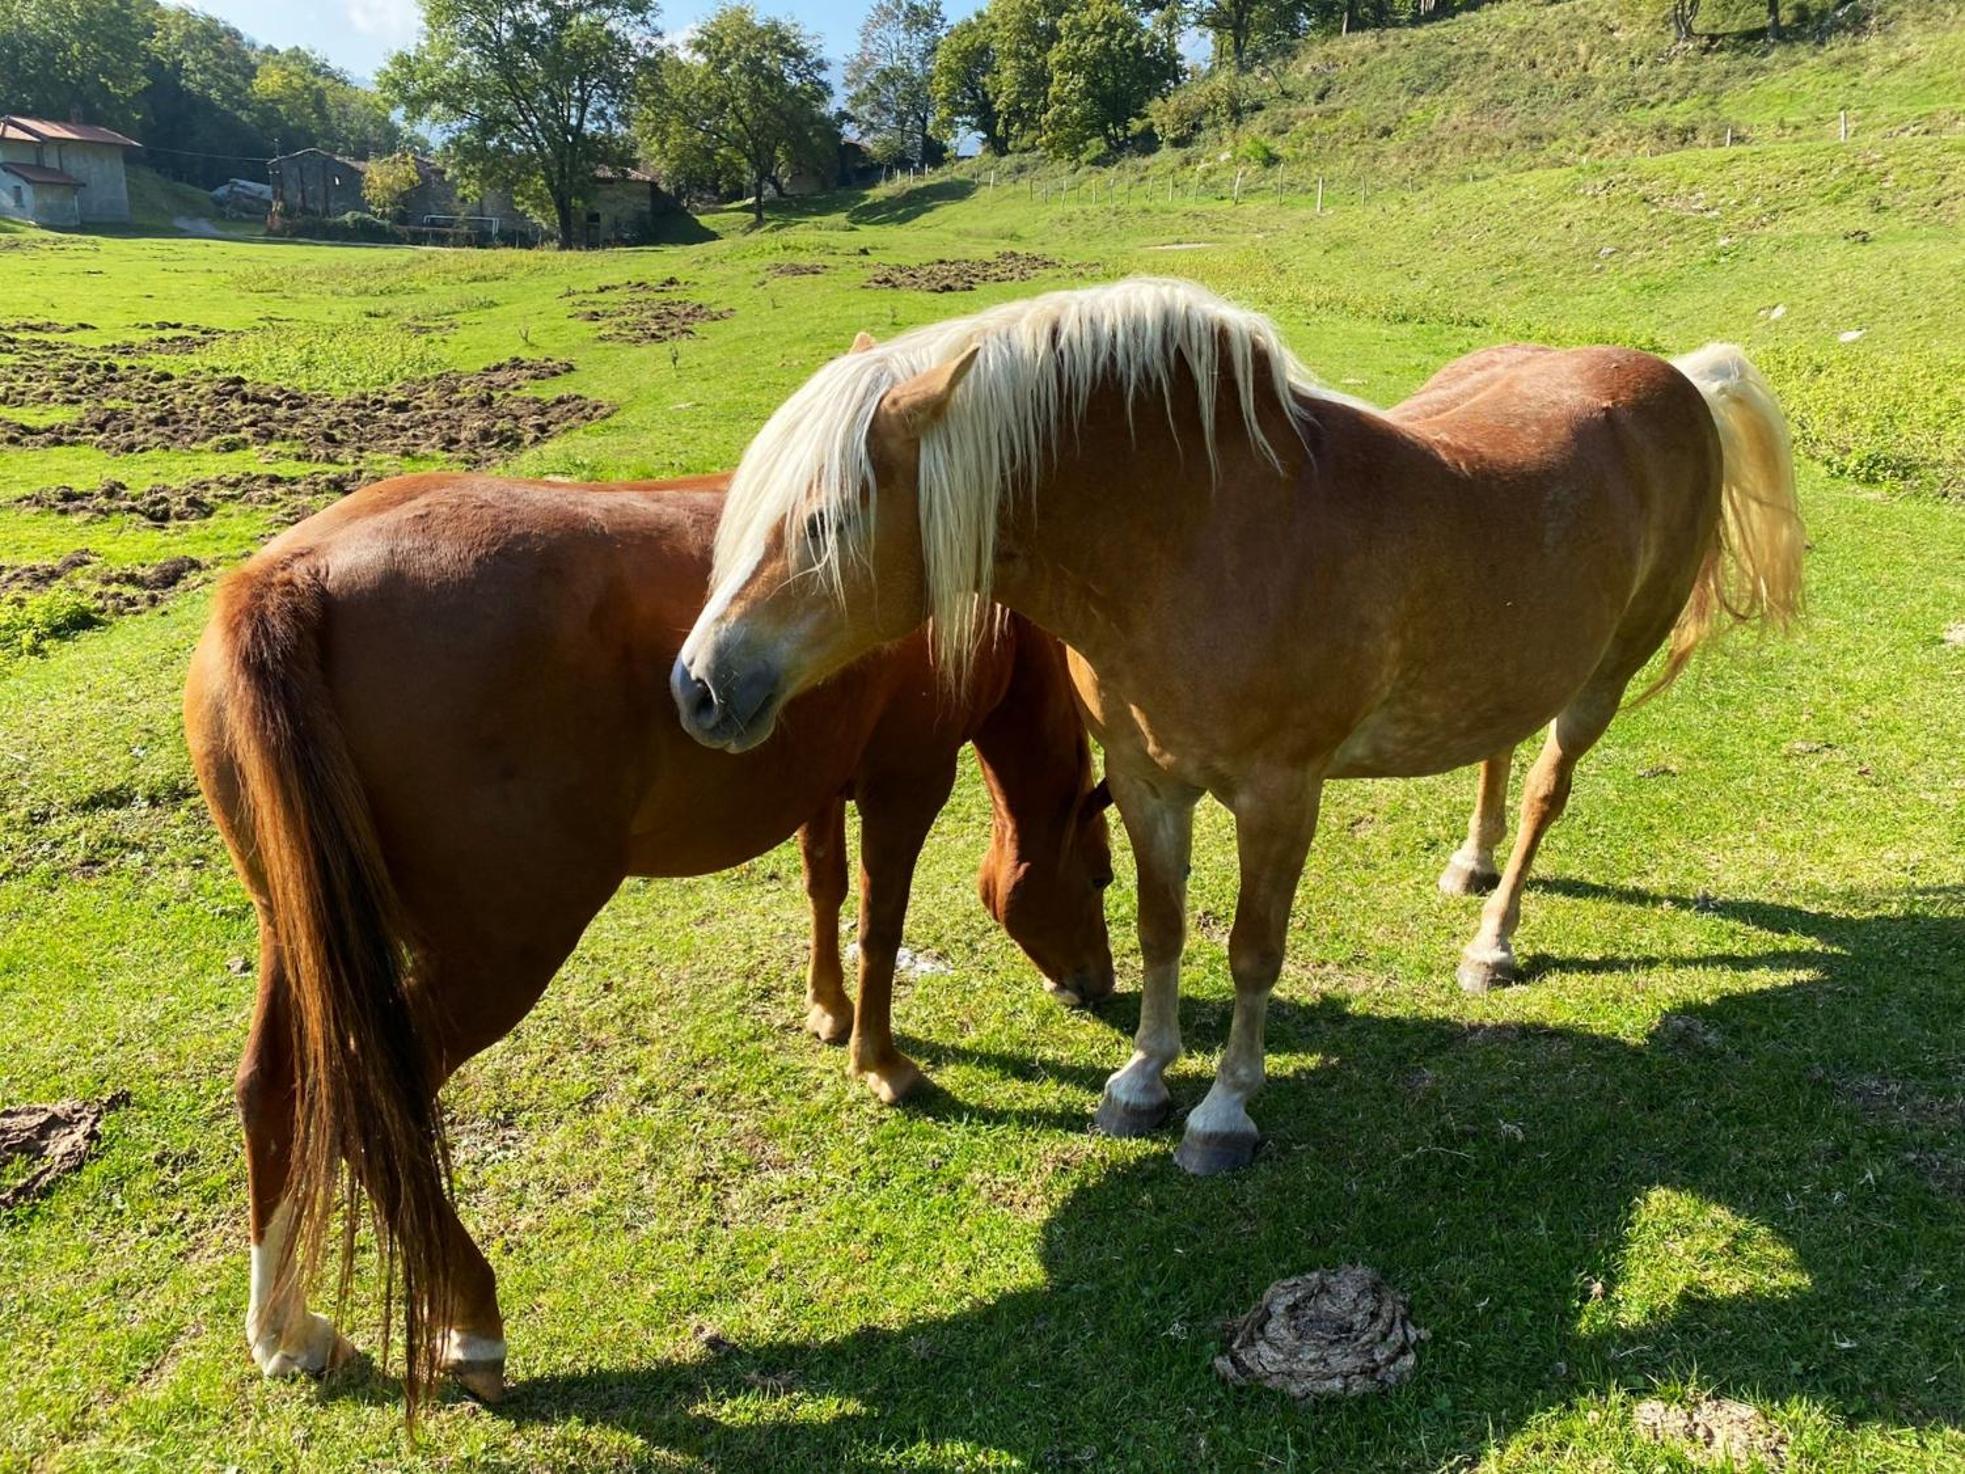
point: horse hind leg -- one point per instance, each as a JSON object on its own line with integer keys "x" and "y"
{"x": 1489, "y": 959}
{"x": 1472, "y": 871}
{"x": 287, "y": 1339}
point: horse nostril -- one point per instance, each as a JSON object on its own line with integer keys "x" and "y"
{"x": 695, "y": 700}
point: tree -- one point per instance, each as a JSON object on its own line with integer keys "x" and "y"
{"x": 1023, "y": 32}
{"x": 889, "y": 80}
{"x": 530, "y": 94}
{"x": 1106, "y": 67}
{"x": 87, "y": 56}
{"x": 389, "y": 181}
{"x": 963, "y": 82}
{"x": 1245, "y": 29}
{"x": 743, "y": 100}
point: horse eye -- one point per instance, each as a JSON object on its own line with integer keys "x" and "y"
{"x": 1103, "y": 880}
{"x": 815, "y": 529}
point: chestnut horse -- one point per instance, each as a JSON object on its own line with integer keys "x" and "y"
{"x": 1264, "y": 584}
{"x": 433, "y": 725}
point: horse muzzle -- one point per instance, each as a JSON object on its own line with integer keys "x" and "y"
{"x": 732, "y": 714}
{"x": 1083, "y": 987}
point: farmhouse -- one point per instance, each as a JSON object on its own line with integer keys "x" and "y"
{"x": 623, "y": 207}
{"x": 63, "y": 173}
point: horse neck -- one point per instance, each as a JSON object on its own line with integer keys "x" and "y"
{"x": 1078, "y": 548}
{"x": 1035, "y": 756}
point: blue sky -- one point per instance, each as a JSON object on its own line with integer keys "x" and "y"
{"x": 357, "y": 34}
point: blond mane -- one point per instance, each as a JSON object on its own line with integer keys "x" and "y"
{"x": 1039, "y": 361}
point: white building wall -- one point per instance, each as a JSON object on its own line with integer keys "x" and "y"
{"x": 44, "y": 204}
{"x": 105, "y": 187}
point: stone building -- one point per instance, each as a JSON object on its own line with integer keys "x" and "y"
{"x": 63, "y": 173}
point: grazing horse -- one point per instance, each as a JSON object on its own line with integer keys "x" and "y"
{"x": 1263, "y": 584}
{"x": 433, "y": 725}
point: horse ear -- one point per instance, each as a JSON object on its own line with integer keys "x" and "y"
{"x": 923, "y": 399}
{"x": 862, "y": 341}
{"x": 1099, "y": 799}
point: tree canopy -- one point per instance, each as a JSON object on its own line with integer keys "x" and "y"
{"x": 743, "y": 101}
{"x": 890, "y": 80}
{"x": 1107, "y": 65}
{"x": 206, "y": 102}
{"x": 963, "y": 83}
{"x": 532, "y": 95}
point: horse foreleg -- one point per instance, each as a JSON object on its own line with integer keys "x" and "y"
{"x": 286, "y": 1338}
{"x": 1273, "y": 830}
{"x": 1159, "y": 824}
{"x": 822, "y": 845}
{"x": 1490, "y": 958}
{"x": 1471, "y": 871}
{"x": 893, "y": 827}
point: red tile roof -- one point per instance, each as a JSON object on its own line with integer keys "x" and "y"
{"x": 35, "y": 174}
{"x": 42, "y": 130}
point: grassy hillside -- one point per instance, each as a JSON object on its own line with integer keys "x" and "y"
{"x": 159, "y": 204}
{"x": 1537, "y": 82}
{"x": 1710, "y": 1146}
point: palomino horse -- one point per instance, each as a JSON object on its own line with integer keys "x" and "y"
{"x": 1264, "y": 585}
{"x": 433, "y": 725}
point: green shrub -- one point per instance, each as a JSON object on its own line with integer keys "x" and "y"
{"x": 30, "y": 623}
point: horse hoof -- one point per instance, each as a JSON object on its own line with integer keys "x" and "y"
{"x": 892, "y": 1079}
{"x": 484, "y": 1380}
{"x": 1120, "y": 1117}
{"x": 320, "y": 1350}
{"x": 1464, "y": 877}
{"x": 829, "y": 1027}
{"x": 1485, "y": 969}
{"x": 1203, "y": 1154}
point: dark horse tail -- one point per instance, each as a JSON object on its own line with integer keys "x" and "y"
{"x": 365, "y": 1111}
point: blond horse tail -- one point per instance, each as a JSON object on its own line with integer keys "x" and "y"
{"x": 1752, "y": 568}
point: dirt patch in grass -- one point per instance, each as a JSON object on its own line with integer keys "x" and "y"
{"x": 962, "y": 276}
{"x": 291, "y": 497}
{"x": 1714, "y": 1430}
{"x": 59, "y": 1137}
{"x": 42, "y": 604}
{"x": 32, "y": 578}
{"x": 634, "y": 312}
{"x": 796, "y": 268}
{"x": 1904, "y": 1103}
{"x": 126, "y": 406}
{"x": 633, "y": 284}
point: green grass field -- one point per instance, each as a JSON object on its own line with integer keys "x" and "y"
{"x": 1713, "y": 1144}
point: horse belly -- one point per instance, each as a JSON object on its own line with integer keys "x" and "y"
{"x": 1406, "y": 745}
{"x": 1463, "y": 705}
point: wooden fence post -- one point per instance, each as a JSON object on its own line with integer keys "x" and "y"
{"x": 1320, "y": 194}
{"x": 1843, "y": 125}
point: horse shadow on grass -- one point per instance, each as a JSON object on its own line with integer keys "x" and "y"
{"x": 1802, "y": 1134}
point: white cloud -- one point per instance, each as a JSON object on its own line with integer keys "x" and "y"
{"x": 395, "y": 21}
